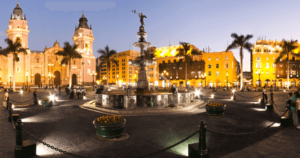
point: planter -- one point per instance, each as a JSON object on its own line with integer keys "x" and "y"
{"x": 215, "y": 111}
{"x": 109, "y": 130}
{"x": 46, "y": 102}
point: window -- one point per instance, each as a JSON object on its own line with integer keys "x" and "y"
{"x": 273, "y": 58}
{"x": 89, "y": 62}
{"x": 123, "y": 68}
{"x": 123, "y": 72}
{"x": 113, "y": 73}
{"x": 217, "y": 73}
{"x": 294, "y": 65}
{"x": 89, "y": 71}
{"x": 209, "y": 66}
{"x": 217, "y": 58}
{"x": 123, "y": 76}
{"x": 123, "y": 60}
{"x": 280, "y": 65}
{"x": 130, "y": 72}
{"x": 257, "y": 65}
{"x": 113, "y": 69}
{"x": 113, "y": 77}
{"x": 226, "y": 57}
{"x": 123, "y": 64}
{"x": 74, "y": 62}
{"x": 56, "y": 58}
{"x": 18, "y": 69}
{"x": 209, "y": 59}
{"x": 273, "y": 72}
{"x": 267, "y": 65}
{"x": 267, "y": 72}
{"x": 209, "y": 73}
{"x": 130, "y": 68}
{"x": 227, "y": 66}
{"x": 130, "y": 76}
{"x": 151, "y": 75}
{"x": 37, "y": 60}
{"x": 293, "y": 72}
{"x": 258, "y": 58}
{"x": 232, "y": 64}
{"x": 130, "y": 59}
{"x": 217, "y": 66}
{"x": 267, "y": 58}
{"x": 274, "y": 65}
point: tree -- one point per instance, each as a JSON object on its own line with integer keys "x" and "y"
{"x": 241, "y": 42}
{"x": 287, "y": 48}
{"x": 186, "y": 52}
{"x": 13, "y": 48}
{"x": 106, "y": 58}
{"x": 69, "y": 52}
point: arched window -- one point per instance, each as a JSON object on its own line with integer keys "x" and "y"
{"x": 37, "y": 60}
{"x": 74, "y": 62}
{"x": 56, "y": 58}
{"x": 18, "y": 39}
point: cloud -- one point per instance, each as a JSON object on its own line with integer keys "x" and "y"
{"x": 79, "y": 6}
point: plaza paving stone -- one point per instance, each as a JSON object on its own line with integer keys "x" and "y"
{"x": 70, "y": 128}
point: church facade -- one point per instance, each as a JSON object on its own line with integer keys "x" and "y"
{"x": 44, "y": 67}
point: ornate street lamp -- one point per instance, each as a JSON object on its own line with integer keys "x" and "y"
{"x": 227, "y": 79}
{"x": 10, "y": 76}
{"x": 93, "y": 74}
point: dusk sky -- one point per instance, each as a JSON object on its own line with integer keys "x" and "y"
{"x": 199, "y": 22}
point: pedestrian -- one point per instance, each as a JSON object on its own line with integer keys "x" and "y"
{"x": 6, "y": 94}
{"x": 265, "y": 94}
{"x": 59, "y": 90}
{"x": 74, "y": 92}
{"x": 55, "y": 91}
{"x": 293, "y": 110}
{"x": 71, "y": 92}
{"x": 35, "y": 97}
{"x": 298, "y": 105}
{"x": 78, "y": 93}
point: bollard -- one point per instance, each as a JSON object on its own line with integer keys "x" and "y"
{"x": 263, "y": 98}
{"x": 234, "y": 96}
{"x": 9, "y": 111}
{"x": 19, "y": 139}
{"x": 272, "y": 102}
{"x": 202, "y": 140}
{"x": 7, "y": 103}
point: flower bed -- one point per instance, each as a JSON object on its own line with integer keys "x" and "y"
{"x": 109, "y": 126}
{"x": 215, "y": 109}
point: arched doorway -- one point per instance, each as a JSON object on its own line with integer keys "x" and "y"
{"x": 267, "y": 83}
{"x": 74, "y": 79}
{"x": 57, "y": 78}
{"x": 37, "y": 79}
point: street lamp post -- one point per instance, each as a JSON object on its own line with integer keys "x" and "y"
{"x": 165, "y": 74}
{"x": 93, "y": 74}
{"x": 117, "y": 80}
{"x": 10, "y": 76}
{"x": 27, "y": 78}
{"x": 258, "y": 73}
{"x": 227, "y": 79}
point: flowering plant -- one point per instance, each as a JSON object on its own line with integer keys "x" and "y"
{"x": 213, "y": 104}
{"x": 110, "y": 119}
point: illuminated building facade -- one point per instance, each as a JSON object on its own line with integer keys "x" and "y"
{"x": 44, "y": 67}
{"x": 266, "y": 72}
{"x": 216, "y": 69}
{"x": 124, "y": 74}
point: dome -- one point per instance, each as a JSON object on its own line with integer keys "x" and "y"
{"x": 83, "y": 22}
{"x": 17, "y": 13}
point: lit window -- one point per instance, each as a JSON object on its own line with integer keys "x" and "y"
{"x": 274, "y": 65}
{"x": 18, "y": 69}
{"x": 267, "y": 65}
{"x": 209, "y": 59}
{"x": 280, "y": 65}
{"x": 273, "y": 72}
{"x": 267, "y": 72}
{"x": 217, "y": 73}
{"x": 89, "y": 62}
{"x": 273, "y": 58}
{"x": 226, "y": 57}
{"x": 89, "y": 71}
{"x": 257, "y": 58}
{"x": 217, "y": 58}
{"x": 257, "y": 65}
{"x": 267, "y": 58}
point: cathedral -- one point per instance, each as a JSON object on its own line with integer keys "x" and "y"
{"x": 44, "y": 67}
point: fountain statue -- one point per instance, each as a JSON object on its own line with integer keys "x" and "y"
{"x": 142, "y": 62}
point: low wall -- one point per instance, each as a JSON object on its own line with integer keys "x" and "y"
{"x": 149, "y": 100}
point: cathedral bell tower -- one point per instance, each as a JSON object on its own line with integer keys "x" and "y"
{"x": 83, "y": 37}
{"x": 17, "y": 27}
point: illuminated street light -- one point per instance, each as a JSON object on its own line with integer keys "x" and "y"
{"x": 93, "y": 74}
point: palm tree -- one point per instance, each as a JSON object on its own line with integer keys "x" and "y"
{"x": 184, "y": 51}
{"x": 13, "y": 48}
{"x": 106, "y": 58}
{"x": 241, "y": 42}
{"x": 69, "y": 52}
{"x": 287, "y": 48}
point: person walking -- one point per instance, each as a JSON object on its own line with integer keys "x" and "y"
{"x": 71, "y": 92}
{"x": 265, "y": 94}
{"x": 35, "y": 97}
{"x": 293, "y": 110}
{"x": 74, "y": 92}
{"x": 59, "y": 90}
{"x": 6, "y": 94}
{"x": 78, "y": 91}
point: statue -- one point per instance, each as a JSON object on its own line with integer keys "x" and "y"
{"x": 100, "y": 89}
{"x": 142, "y": 16}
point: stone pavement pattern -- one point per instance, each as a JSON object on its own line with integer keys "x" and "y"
{"x": 7, "y": 135}
{"x": 70, "y": 128}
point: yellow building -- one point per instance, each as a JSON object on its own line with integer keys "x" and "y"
{"x": 214, "y": 69}
{"x": 124, "y": 74}
{"x": 265, "y": 53}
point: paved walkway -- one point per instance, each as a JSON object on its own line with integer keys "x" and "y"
{"x": 7, "y": 135}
